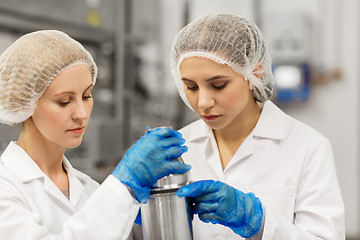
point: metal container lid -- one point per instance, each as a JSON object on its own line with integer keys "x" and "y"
{"x": 172, "y": 182}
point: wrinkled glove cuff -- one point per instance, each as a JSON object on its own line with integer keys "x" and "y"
{"x": 254, "y": 223}
{"x": 141, "y": 194}
{"x": 259, "y": 234}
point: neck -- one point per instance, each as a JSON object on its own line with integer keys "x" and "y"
{"x": 242, "y": 126}
{"x": 230, "y": 138}
{"x": 47, "y": 155}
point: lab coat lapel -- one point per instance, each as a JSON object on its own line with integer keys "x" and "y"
{"x": 213, "y": 157}
{"x": 20, "y": 163}
{"x": 271, "y": 125}
{"x": 245, "y": 150}
{"x": 211, "y": 151}
{"x": 55, "y": 193}
{"x": 76, "y": 188}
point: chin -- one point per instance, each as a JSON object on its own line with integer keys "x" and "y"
{"x": 214, "y": 125}
{"x": 74, "y": 144}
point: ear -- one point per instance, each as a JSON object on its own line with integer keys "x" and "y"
{"x": 258, "y": 71}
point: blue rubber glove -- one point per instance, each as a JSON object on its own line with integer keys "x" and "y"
{"x": 149, "y": 159}
{"x": 138, "y": 218}
{"x": 217, "y": 202}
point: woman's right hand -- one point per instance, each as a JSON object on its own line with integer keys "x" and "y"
{"x": 150, "y": 159}
{"x": 219, "y": 203}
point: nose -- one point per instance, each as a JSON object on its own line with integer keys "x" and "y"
{"x": 205, "y": 100}
{"x": 80, "y": 111}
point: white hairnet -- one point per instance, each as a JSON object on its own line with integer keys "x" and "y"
{"x": 225, "y": 39}
{"x": 29, "y": 65}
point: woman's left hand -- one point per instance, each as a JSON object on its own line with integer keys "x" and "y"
{"x": 217, "y": 202}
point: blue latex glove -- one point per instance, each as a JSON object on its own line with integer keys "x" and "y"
{"x": 149, "y": 159}
{"x": 138, "y": 218}
{"x": 217, "y": 202}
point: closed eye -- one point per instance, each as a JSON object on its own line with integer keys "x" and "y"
{"x": 190, "y": 85}
{"x": 192, "y": 88}
{"x": 63, "y": 104}
{"x": 87, "y": 97}
{"x": 219, "y": 87}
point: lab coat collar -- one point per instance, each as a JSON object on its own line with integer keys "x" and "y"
{"x": 202, "y": 131}
{"x": 271, "y": 125}
{"x": 19, "y": 162}
{"x": 76, "y": 181}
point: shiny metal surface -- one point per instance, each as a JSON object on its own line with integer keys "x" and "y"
{"x": 165, "y": 216}
{"x": 173, "y": 181}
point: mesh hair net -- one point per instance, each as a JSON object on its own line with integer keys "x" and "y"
{"x": 225, "y": 39}
{"x": 29, "y": 65}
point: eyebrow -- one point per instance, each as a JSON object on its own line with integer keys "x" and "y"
{"x": 71, "y": 92}
{"x": 210, "y": 79}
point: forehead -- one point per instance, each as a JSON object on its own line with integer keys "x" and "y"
{"x": 204, "y": 66}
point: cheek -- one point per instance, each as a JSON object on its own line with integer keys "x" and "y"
{"x": 239, "y": 94}
{"x": 186, "y": 91}
{"x": 52, "y": 116}
{"x": 89, "y": 107}
{"x": 230, "y": 99}
{"x": 57, "y": 114}
{"x": 191, "y": 97}
{"x": 232, "y": 96}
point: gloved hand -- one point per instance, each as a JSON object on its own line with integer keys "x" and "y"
{"x": 217, "y": 202}
{"x": 149, "y": 159}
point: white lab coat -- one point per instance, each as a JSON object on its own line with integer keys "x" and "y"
{"x": 288, "y": 165}
{"x": 33, "y": 208}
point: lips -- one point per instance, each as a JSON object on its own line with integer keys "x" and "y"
{"x": 78, "y": 130}
{"x": 211, "y": 117}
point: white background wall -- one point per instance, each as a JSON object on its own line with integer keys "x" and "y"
{"x": 333, "y": 106}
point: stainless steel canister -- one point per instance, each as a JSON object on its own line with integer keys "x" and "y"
{"x": 165, "y": 215}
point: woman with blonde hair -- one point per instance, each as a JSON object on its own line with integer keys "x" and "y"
{"x": 46, "y": 79}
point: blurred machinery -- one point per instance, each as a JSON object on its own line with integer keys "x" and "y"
{"x": 151, "y": 97}
{"x": 290, "y": 47}
{"x": 98, "y": 25}
{"x": 132, "y": 90}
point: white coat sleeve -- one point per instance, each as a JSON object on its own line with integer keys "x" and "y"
{"x": 319, "y": 209}
{"x": 108, "y": 214}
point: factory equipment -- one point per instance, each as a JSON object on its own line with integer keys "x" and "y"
{"x": 292, "y": 82}
{"x": 290, "y": 48}
{"x": 98, "y": 25}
